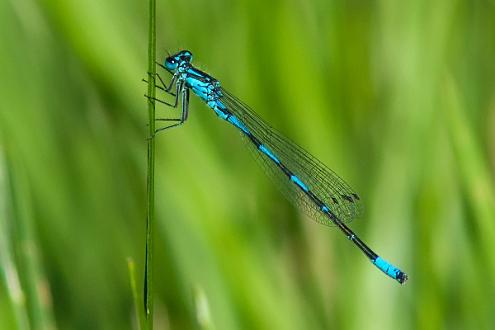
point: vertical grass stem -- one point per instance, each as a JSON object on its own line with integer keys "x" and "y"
{"x": 150, "y": 191}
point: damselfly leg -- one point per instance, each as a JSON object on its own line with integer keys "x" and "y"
{"x": 163, "y": 86}
{"x": 163, "y": 67}
{"x": 184, "y": 92}
{"x": 157, "y": 86}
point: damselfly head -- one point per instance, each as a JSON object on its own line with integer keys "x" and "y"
{"x": 173, "y": 61}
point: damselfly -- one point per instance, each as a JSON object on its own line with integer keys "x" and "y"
{"x": 302, "y": 178}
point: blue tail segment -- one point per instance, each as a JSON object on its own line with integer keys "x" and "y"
{"x": 298, "y": 181}
{"x": 390, "y": 270}
{"x": 235, "y": 121}
{"x": 267, "y": 152}
{"x": 304, "y": 180}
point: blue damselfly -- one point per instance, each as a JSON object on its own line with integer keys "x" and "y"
{"x": 303, "y": 179}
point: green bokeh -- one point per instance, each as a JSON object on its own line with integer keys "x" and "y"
{"x": 398, "y": 97}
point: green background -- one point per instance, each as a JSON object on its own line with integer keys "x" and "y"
{"x": 398, "y": 97}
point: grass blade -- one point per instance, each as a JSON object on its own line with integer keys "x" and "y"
{"x": 150, "y": 206}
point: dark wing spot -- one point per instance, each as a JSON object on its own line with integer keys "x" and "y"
{"x": 335, "y": 200}
{"x": 348, "y": 198}
{"x": 356, "y": 197}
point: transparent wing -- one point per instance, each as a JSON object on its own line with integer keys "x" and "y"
{"x": 342, "y": 200}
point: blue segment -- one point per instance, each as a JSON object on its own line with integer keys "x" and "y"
{"x": 195, "y": 83}
{"x": 325, "y": 209}
{"x": 199, "y": 87}
{"x": 192, "y": 71}
{"x": 267, "y": 152}
{"x": 296, "y": 180}
{"x": 218, "y": 111}
{"x": 236, "y": 122}
{"x": 387, "y": 268}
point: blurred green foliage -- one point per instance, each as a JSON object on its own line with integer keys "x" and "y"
{"x": 398, "y": 97}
